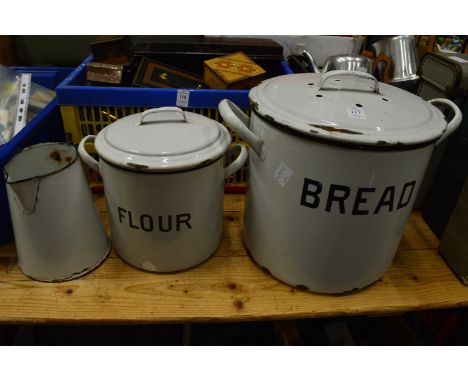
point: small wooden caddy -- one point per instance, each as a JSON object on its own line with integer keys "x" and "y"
{"x": 234, "y": 71}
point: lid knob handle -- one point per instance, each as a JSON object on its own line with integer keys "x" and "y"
{"x": 172, "y": 109}
{"x": 349, "y": 73}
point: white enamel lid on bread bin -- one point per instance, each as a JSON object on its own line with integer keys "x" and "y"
{"x": 347, "y": 107}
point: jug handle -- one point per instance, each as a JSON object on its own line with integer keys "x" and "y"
{"x": 367, "y": 53}
{"x": 238, "y": 121}
{"x": 428, "y": 48}
{"x": 455, "y": 121}
{"x": 238, "y": 163}
{"x": 88, "y": 159}
{"x": 387, "y": 61}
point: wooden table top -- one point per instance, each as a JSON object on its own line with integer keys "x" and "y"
{"x": 227, "y": 287}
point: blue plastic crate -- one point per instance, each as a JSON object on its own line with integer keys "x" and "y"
{"x": 45, "y": 127}
{"x": 88, "y": 109}
{"x": 73, "y": 92}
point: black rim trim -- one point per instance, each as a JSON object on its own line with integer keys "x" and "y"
{"x": 200, "y": 166}
{"x": 7, "y": 175}
{"x": 328, "y": 142}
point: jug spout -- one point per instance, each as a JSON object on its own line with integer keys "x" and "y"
{"x": 25, "y": 194}
{"x": 311, "y": 62}
{"x": 301, "y": 51}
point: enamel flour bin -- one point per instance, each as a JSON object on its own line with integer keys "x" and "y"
{"x": 335, "y": 164}
{"x": 163, "y": 172}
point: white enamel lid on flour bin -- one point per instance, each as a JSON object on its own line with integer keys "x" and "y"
{"x": 162, "y": 140}
{"x": 347, "y": 107}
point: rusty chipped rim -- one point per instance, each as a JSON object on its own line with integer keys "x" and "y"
{"x": 137, "y": 170}
{"x": 300, "y": 287}
{"x": 353, "y": 146}
{"x": 199, "y": 263}
{"x": 348, "y": 111}
{"x": 162, "y": 145}
{"x": 75, "y": 275}
{"x": 7, "y": 176}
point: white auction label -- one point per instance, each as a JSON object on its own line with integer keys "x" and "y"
{"x": 356, "y": 113}
{"x": 459, "y": 59}
{"x": 183, "y": 97}
{"x": 283, "y": 174}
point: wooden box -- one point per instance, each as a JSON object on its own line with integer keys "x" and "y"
{"x": 107, "y": 73}
{"x": 152, "y": 73}
{"x": 112, "y": 49}
{"x": 190, "y": 52}
{"x": 234, "y": 71}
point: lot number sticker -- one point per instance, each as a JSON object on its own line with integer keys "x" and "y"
{"x": 283, "y": 174}
{"x": 356, "y": 113}
{"x": 183, "y": 97}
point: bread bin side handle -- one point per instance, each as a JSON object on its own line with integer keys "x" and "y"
{"x": 238, "y": 121}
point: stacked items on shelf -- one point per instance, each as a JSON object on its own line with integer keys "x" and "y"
{"x": 164, "y": 71}
{"x": 113, "y": 61}
{"x": 188, "y": 62}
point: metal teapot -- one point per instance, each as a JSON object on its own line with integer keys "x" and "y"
{"x": 350, "y": 62}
